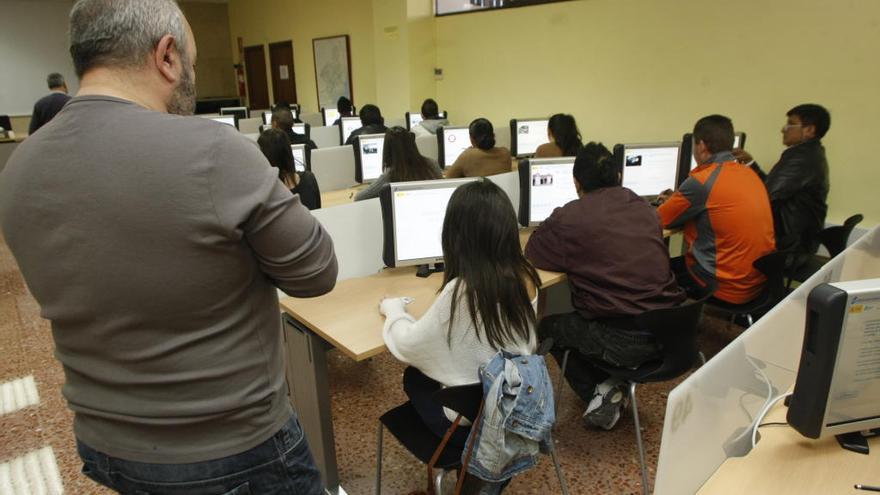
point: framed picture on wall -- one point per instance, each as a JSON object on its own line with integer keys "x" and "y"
{"x": 332, "y": 69}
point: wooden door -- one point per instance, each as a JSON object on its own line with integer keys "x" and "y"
{"x": 255, "y": 70}
{"x": 281, "y": 65}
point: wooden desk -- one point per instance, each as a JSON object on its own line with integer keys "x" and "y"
{"x": 784, "y": 462}
{"x": 341, "y": 196}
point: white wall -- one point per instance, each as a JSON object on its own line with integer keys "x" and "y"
{"x": 33, "y": 43}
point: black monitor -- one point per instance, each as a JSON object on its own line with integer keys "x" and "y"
{"x": 526, "y": 135}
{"x": 347, "y": 125}
{"x": 302, "y": 157}
{"x": 238, "y": 112}
{"x": 451, "y": 142}
{"x": 688, "y": 162}
{"x": 368, "y": 157}
{"x": 648, "y": 169}
{"x": 304, "y": 129}
{"x": 413, "y": 119}
{"x": 837, "y": 390}
{"x": 226, "y": 119}
{"x": 412, "y": 219}
{"x": 544, "y": 185}
{"x": 330, "y": 115}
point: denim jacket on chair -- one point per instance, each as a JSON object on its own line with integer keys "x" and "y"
{"x": 518, "y": 415}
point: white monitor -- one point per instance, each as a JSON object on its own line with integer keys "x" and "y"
{"x": 527, "y": 134}
{"x": 300, "y": 157}
{"x": 346, "y": 126}
{"x": 649, "y": 169}
{"x": 413, "y": 119}
{"x": 267, "y": 118}
{"x": 300, "y": 129}
{"x": 239, "y": 112}
{"x": 226, "y": 119}
{"x": 451, "y": 142}
{"x": 330, "y": 115}
{"x": 368, "y": 157}
{"x": 413, "y": 214}
{"x": 738, "y": 142}
{"x": 545, "y": 184}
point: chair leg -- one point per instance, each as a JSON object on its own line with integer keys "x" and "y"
{"x": 558, "y": 468}
{"x": 559, "y": 386}
{"x": 378, "y": 489}
{"x": 438, "y": 481}
{"x": 702, "y": 358}
{"x": 749, "y": 319}
{"x": 635, "y": 408}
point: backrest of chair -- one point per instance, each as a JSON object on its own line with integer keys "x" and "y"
{"x": 835, "y": 238}
{"x": 465, "y": 399}
{"x": 773, "y": 267}
{"x": 5, "y": 122}
{"x": 675, "y": 330}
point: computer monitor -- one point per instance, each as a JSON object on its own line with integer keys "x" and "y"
{"x": 544, "y": 185}
{"x": 226, "y": 119}
{"x": 412, "y": 218}
{"x": 238, "y": 112}
{"x": 346, "y": 126}
{"x": 526, "y": 135}
{"x": 837, "y": 390}
{"x": 413, "y": 119}
{"x": 301, "y": 157}
{"x": 267, "y": 118}
{"x": 264, "y": 128}
{"x": 330, "y": 115}
{"x": 451, "y": 142}
{"x": 687, "y": 151}
{"x": 304, "y": 129}
{"x": 648, "y": 169}
{"x": 368, "y": 157}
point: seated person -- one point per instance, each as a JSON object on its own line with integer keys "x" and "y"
{"x": 565, "y": 138}
{"x": 401, "y": 162}
{"x": 798, "y": 184}
{"x": 486, "y": 303}
{"x": 431, "y": 120}
{"x": 372, "y": 122}
{"x": 610, "y": 245}
{"x": 276, "y": 147}
{"x": 345, "y": 109}
{"x": 482, "y": 158}
{"x": 282, "y": 118}
{"x": 724, "y": 209}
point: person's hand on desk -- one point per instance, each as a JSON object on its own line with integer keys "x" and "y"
{"x": 662, "y": 197}
{"x": 743, "y": 157}
{"x": 393, "y": 304}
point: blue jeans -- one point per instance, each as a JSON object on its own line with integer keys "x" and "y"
{"x": 281, "y": 464}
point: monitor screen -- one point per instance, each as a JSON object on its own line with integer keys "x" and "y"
{"x": 452, "y": 142}
{"x": 228, "y": 120}
{"x": 649, "y": 169}
{"x": 413, "y": 119}
{"x": 301, "y": 129}
{"x": 347, "y": 125}
{"x": 267, "y": 118}
{"x": 330, "y": 115}
{"x": 295, "y": 111}
{"x": 300, "y": 157}
{"x": 239, "y": 112}
{"x": 548, "y": 184}
{"x": 527, "y": 134}
{"x": 368, "y": 159}
{"x": 413, "y": 214}
{"x": 738, "y": 141}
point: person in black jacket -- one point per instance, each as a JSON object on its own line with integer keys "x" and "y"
{"x": 798, "y": 183}
{"x": 372, "y": 122}
{"x": 49, "y": 105}
{"x": 282, "y": 118}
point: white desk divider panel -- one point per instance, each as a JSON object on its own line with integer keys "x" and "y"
{"x": 427, "y": 146}
{"x": 509, "y": 182}
{"x": 356, "y": 230}
{"x": 325, "y": 137}
{"x": 253, "y": 136}
{"x": 502, "y": 135}
{"x": 709, "y": 415}
{"x": 250, "y": 126}
{"x": 208, "y": 115}
{"x": 313, "y": 119}
{"x": 334, "y": 167}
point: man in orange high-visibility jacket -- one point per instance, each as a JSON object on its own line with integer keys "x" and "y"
{"x": 725, "y": 211}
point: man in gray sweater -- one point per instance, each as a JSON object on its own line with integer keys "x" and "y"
{"x": 153, "y": 243}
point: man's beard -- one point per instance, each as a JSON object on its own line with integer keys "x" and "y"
{"x": 183, "y": 100}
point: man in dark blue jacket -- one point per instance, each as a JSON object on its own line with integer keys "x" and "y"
{"x": 47, "y": 106}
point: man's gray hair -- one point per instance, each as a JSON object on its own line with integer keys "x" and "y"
{"x": 121, "y": 33}
{"x": 55, "y": 80}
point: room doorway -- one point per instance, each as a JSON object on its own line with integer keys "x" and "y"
{"x": 281, "y": 65}
{"x": 255, "y": 70}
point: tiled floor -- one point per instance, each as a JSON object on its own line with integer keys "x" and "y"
{"x": 593, "y": 462}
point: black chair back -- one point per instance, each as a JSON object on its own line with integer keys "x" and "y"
{"x": 464, "y": 399}
{"x": 675, "y": 330}
{"x": 835, "y": 238}
{"x": 773, "y": 267}
{"x": 5, "y": 122}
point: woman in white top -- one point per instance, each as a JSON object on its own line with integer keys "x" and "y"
{"x": 487, "y": 303}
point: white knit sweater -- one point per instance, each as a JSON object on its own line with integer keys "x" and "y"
{"x": 424, "y": 343}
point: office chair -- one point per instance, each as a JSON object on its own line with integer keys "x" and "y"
{"x": 675, "y": 330}
{"x": 773, "y": 267}
{"x": 834, "y": 239}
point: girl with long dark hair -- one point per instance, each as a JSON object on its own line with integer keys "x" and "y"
{"x": 276, "y": 147}
{"x": 401, "y": 162}
{"x": 565, "y": 138}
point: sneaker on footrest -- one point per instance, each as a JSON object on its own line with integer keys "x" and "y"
{"x": 608, "y": 400}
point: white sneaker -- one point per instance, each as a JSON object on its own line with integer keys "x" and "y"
{"x": 604, "y": 408}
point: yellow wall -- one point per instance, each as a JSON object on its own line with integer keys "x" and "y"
{"x": 210, "y": 24}
{"x": 646, "y": 70}
{"x": 268, "y": 21}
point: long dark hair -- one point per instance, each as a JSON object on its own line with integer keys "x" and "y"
{"x": 566, "y": 134}
{"x": 402, "y": 158}
{"x": 481, "y": 249}
{"x": 483, "y": 134}
{"x": 275, "y": 144}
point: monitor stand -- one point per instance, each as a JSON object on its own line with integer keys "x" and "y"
{"x": 857, "y": 441}
{"x": 426, "y": 270}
